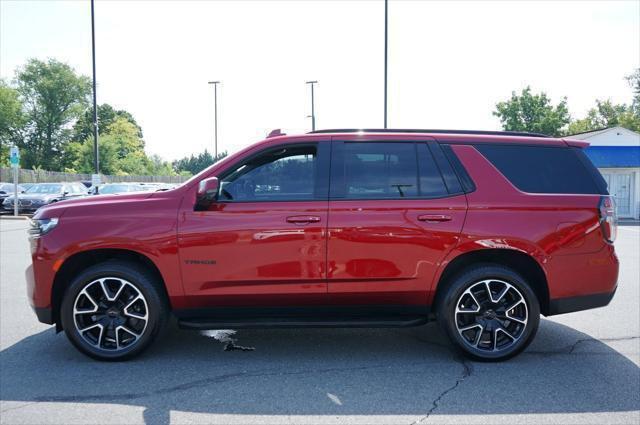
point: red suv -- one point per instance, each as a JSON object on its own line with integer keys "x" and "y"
{"x": 482, "y": 231}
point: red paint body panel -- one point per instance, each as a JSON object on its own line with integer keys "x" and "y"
{"x": 260, "y": 257}
{"x": 380, "y": 253}
{"x": 142, "y": 223}
{"x": 553, "y": 229}
{"x": 365, "y": 252}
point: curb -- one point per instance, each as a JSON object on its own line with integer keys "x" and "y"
{"x": 13, "y": 217}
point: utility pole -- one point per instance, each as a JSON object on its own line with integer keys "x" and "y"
{"x": 386, "y": 48}
{"x": 313, "y": 107}
{"x": 215, "y": 118}
{"x": 96, "y": 162}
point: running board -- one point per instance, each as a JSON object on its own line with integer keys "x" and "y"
{"x": 300, "y": 322}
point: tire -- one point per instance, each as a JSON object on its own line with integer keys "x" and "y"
{"x": 489, "y": 312}
{"x": 114, "y": 310}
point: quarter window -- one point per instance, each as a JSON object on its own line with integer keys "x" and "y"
{"x": 541, "y": 169}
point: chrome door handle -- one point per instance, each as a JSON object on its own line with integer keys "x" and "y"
{"x": 434, "y": 218}
{"x": 303, "y": 219}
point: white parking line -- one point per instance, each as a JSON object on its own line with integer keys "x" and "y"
{"x": 634, "y": 229}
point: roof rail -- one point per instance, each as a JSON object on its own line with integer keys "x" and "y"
{"x": 413, "y": 130}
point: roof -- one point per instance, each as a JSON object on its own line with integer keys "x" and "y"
{"x": 599, "y": 131}
{"x": 588, "y": 133}
{"x": 430, "y": 131}
{"x": 614, "y": 156}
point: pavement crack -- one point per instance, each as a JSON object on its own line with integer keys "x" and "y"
{"x": 187, "y": 385}
{"x": 18, "y": 407}
{"x": 467, "y": 371}
{"x": 570, "y": 349}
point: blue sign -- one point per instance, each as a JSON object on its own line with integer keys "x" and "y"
{"x": 14, "y": 157}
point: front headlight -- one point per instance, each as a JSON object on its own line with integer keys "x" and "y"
{"x": 42, "y": 226}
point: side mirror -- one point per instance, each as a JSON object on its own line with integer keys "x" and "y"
{"x": 207, "y": 190}
{"x": 65, "y": 193}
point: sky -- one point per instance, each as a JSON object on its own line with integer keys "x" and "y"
{"x": 450, "y": 62}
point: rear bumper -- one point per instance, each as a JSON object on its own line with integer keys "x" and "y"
{"x": 579, "y": 303}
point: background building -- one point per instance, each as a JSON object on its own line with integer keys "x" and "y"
{"x": 616, "y": 153}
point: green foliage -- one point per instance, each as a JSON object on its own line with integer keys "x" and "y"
{"x": 121, "y": 152}
{"x": 12, "y": 120}
{"x": 533, "y": 113}
{"x": 53, "y": 97}
{"x": 79, "y": 156}
{"x": 83, "y": 128}
{"x": 606, "y": 114}
{"x": 194, "y": 164}
{"x": 634, "y": 82}
{"x": 49, "y": 116}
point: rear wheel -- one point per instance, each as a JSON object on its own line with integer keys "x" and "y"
{"x": 113, "y": 311}
{"x": 489, "y": 312}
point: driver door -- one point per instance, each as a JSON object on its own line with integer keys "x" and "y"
{"x": 263, "y": 241}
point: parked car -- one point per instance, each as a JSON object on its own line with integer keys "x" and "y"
{"x": 6, "y": 189}
{"x": 481, "y": 231}
{"x": 42, "y": 194}
{"x": 26, "y": 186}
{"x": 156, "y": 186}
{"x": 115, "y": 188}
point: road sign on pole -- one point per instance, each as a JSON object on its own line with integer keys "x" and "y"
{"x": 14, "y": 156}
{"x": 14, "y": 159}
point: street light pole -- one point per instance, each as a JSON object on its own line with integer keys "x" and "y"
{"x": 96, "y": 162}
{"x": 386, "y": 35}
{"x": 313, "y": 106}
{"x": 215, "y": 118}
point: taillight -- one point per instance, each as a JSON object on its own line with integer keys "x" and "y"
{"x": 608, "y": 218}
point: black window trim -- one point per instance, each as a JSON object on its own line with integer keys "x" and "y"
{"x": 426, "y": 142}
{"x": 323, "y": 152}
{"x": 466, "y": 182}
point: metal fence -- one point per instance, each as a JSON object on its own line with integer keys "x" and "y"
{"x": 43, "y": 176}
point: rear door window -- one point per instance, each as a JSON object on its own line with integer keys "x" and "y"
{"x": 384, "y": 170}
{"x": 543, "y": 169}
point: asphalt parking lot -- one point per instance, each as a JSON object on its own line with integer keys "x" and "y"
{"x": 582, "y": 368}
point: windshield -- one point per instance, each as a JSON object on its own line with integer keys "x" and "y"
{"x": 45, "y": 188}
{"x": 7, "y": 188}
{"x": 117, "y": 188}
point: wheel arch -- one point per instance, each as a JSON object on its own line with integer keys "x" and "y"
{"x": 82, "y": 260}
{"x": 522, "y": 263}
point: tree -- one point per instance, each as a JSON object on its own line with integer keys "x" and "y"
{"x": 634, "y": 82}
{"x": 53, "y": 97}
{"x": 12, "y": 120}
{"x": 533, "y": 113}
{"x": 83, "y": 128}
{"x": 607, "y": 114}
{"x": 194, "y": 164}
{"x": 121, "y": 152}
{"x": 79, "y": 156}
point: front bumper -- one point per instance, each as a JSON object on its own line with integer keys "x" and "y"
{"x": 579, "y": 303}
{"x": 44, "y": 314}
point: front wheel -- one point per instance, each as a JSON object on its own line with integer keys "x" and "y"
{"x": 113, "y": 310}
{"x": 489, "y": 312}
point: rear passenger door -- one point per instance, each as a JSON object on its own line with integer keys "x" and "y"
{"x": 392, "y": 219}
